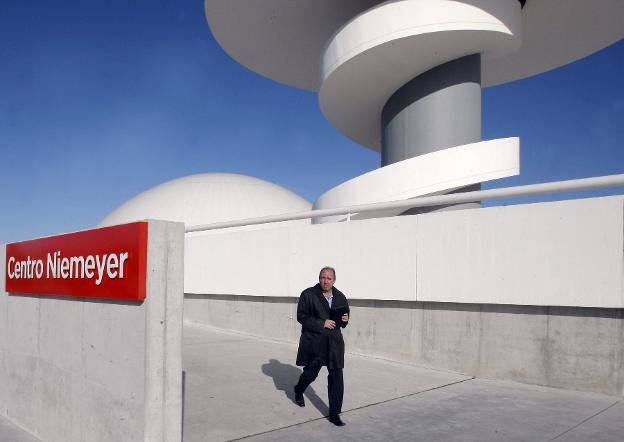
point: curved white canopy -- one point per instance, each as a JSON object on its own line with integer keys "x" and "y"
{"x": 284, "y": 39}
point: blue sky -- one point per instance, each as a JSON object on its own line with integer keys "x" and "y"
{"x": 100, "y": 101}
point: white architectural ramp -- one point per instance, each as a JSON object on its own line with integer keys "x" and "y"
{"x": 428, "y": 174}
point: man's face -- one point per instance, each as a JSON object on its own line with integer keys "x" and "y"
{"x": 326, "y": 279}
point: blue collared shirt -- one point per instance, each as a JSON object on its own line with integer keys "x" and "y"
{"x": 329, "y": 300}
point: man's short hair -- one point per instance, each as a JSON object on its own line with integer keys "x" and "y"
{"x": 328, "y": 268}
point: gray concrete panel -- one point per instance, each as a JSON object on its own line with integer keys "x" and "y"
{"x": 271, "y": 317}
{"x": 361, "y": 332}
{"x": 60, "y": 410}
{"x": 585, "y": 349}
{"x": 451, "y": 337}
{"x": 61, "y": 325}
{"x": 215, "y": 310}
{"x": 22, "y": 324}
{"x": 373, "y": 332}
{"x": 3, "y": 385}
{"x": 24, "y": 385}
{"x": 276, "y": 311}
{"x": 244, "y": 311}
{"x": 114, "y": 352}
{"x": 576, "y": 348}
{"x": 514, "y": 343}
{"x": 105, "y": 417}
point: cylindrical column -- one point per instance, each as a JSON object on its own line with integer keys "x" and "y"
{"x": 404, "y": 78}
{"x": 440, "y": 108}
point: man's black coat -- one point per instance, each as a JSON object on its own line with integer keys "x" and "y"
{"x": 319, "y": 345}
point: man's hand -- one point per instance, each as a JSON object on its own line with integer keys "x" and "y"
{"x": 345, "y": 317}
{"x": 329, "y": 324}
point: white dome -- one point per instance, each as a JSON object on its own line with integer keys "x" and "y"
{"x": 208, "y": 198}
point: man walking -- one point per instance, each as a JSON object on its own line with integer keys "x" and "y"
{"x": 322, "y": 311}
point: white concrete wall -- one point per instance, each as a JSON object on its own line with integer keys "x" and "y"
{"x": 285, "y": 260}
{"x": 567, "y": 253}
{"x": 429, "y": 174}
{"x": 75, "y": 369}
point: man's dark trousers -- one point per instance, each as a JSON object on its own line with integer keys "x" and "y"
{"x": 335, "y": 386}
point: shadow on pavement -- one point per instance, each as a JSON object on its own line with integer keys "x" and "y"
{"x": 285, "y": 376}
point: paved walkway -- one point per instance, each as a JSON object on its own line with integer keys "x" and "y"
{"x": 240, "y": 387}
{"x": 9, "y": 432}
{"x": 237, "y": 386}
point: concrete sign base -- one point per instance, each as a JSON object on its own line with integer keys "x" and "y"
{"x": 75, "y": 369}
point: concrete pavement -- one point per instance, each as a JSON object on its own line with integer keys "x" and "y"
{"x": 238, "y": 386}
{"x": 9, "y": 432}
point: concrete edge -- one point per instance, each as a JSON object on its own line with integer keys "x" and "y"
{"x": 163, "y": 356}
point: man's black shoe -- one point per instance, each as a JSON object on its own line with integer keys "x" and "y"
{"x": 335, "y": 419}
{"x": 299, "y": 400}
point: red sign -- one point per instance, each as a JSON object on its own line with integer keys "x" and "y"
{"x": 107, "y": 263}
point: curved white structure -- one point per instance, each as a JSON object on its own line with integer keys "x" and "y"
{"x": 382, "y": 49}
{"x": 428, "y": 174}
{"x": 281, "y": 40}
{"x": 404, "y": 77}
{"x": 210, "y": 197}
{"x": 284, "y": 39}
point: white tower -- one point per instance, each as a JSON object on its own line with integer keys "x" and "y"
{"x": 404, "y": 77}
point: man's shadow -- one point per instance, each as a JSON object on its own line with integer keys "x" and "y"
{"x": 285, "y": 377}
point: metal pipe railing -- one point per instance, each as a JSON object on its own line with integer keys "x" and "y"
{"x": 426, "y": 201}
